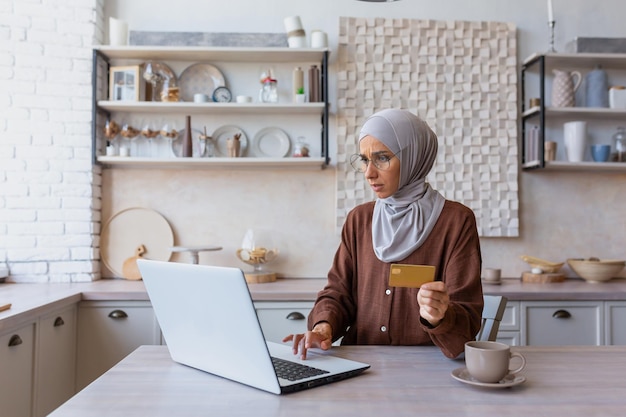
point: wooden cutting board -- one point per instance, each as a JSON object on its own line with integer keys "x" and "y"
{"x": 542, "y": 278}
{"x": 130, "y": 270}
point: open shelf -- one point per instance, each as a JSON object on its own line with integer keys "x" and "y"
{"x": 213, "y": 163}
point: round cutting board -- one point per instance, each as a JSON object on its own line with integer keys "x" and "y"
{"x": 130, "y": 228}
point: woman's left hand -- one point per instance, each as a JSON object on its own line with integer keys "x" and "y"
{"x": 433, "y": 300}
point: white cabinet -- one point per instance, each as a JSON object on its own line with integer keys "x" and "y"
{"x": 108, "y": 331}
{"x": 615, "y": 322}
{"x": 278, "y": 319}
{"x": 562, "y": 323}
{"x": 56, "y": 360}
{"x": 241, "y": 70}
{"x": 17, "y": 349}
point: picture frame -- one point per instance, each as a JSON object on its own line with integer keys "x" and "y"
{"x": 126, "y": 83}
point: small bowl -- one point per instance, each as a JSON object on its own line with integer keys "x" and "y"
{"x": 596, "y": 270}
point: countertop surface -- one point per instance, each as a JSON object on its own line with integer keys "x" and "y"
{"x": 402, "y": 381}
{"x": 33, "y": 300}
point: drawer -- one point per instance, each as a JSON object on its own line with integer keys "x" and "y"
{"x": 278, "y": 319}
{"x": 562, "y": 323}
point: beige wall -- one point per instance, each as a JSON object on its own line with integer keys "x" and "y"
{"x": 50, "y": 198}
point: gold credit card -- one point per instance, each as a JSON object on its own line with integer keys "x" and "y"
{"x": 411, "y": 276}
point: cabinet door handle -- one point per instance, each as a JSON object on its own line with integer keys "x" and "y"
{"x": 58, "y": 322}
{"x": 561, "y": 314}
{"x": 295, "y": 315}
{"x": 118, "y": 314}
{"x": 15, "y": 340}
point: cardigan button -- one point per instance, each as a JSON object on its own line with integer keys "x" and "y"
{"x": 383, "y": 328}
{"x": 388, "y": 291}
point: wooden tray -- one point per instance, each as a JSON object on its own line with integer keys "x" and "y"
{"x": 542, "y": 278}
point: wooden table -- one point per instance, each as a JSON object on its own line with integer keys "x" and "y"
{"x": 403, "y": 381}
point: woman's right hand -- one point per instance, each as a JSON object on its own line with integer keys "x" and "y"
{"x": 320, "y": 337}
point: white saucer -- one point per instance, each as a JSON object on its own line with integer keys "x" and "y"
{"x": 511, "y": 380}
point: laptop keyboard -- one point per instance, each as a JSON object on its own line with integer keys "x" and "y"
{"x": 293, "y": 371}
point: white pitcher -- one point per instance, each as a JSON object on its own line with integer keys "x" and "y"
{"x": 564, "y": 87}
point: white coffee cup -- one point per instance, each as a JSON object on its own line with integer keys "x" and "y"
{"x": 490, "y": 361}
{"x": 200, "y": 98}
{"x": 575, "y": 139}
{"x": 118, "y": 32}
{"x": 492, "y": 274}
{"x": 243, "y": 99}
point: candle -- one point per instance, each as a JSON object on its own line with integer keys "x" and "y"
{"x": 550, "y": 12}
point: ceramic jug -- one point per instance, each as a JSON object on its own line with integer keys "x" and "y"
{"x": 564, "y": 87}
{"x": 597, "y": 88}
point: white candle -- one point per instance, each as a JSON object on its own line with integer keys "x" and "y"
{"x": 550, "y": 12}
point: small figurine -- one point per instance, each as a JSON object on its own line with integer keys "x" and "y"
{"x": 234, "y": 145}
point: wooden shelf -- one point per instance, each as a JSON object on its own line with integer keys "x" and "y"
{"x": 577, "y": 112}
{"x": 579, "y": 60}
{"x": 213, "y": 163}
{"x": 582, "y": 166}
{"x": 214, "y": 108}
{"x": 201, "y": 54}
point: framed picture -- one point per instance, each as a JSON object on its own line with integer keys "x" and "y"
{"x": 126, "y": 84}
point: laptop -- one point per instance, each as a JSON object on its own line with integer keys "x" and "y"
{"x": 208, "y": 321}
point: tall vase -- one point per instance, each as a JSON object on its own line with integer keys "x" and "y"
{"x": 575, "y": 139}
{"x": 187, "y": 141}
{"x": 597, "y": 88}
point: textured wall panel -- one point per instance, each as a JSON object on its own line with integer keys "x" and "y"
{"x": 461, "y": 77}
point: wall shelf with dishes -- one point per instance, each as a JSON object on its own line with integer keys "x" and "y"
{"x": 540, "y": 113}
{"x": 155, "y": 88}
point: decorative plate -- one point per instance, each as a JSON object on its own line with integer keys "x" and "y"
{"x": 177, "y": 145}
{"x": 222, "y": 134}
{"x": 129, "y": 228}
{"x": 271, "y": 142}
{"x": 199, "y": 78}
{"x": 511, "y": 380}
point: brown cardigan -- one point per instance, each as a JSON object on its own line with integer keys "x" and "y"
{"x": 361, "y": 307}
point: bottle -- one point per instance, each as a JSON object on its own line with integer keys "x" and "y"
{"x": 314, "y": 84}
{"x": 298, "y": 82}
{"x": 187, "y": 141}
{"x": 620, "y": 145}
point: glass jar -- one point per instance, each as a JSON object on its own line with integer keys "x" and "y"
{"x": 620, "y": 145}
{"x": 269, "y": 91}
{"x": 301, "y": 148}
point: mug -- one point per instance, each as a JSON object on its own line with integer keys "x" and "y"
{"x": 492, "y": 274}
{"x": 490, "y": 361}
{"x": 200, "y": 98}
{"x": 575, "y": 138}
{"x": 600, "y": 153}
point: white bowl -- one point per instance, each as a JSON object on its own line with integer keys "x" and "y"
{"x": 596, "y": 270}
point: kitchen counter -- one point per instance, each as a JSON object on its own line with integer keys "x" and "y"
{"x": 33, "y": 300}
{"x": 402, "y": 381}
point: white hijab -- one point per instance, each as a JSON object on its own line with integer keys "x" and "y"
{"x": 402, "y": 222}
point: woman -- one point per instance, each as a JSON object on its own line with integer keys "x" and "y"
{"x": 409, "y": 223}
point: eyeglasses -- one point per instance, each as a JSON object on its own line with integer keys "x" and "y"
{"x": 381, "y": 161}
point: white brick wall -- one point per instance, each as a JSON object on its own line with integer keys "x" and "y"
{"x": 49, "y": 191}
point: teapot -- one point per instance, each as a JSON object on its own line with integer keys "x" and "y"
{"x": 564, "y": 87}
